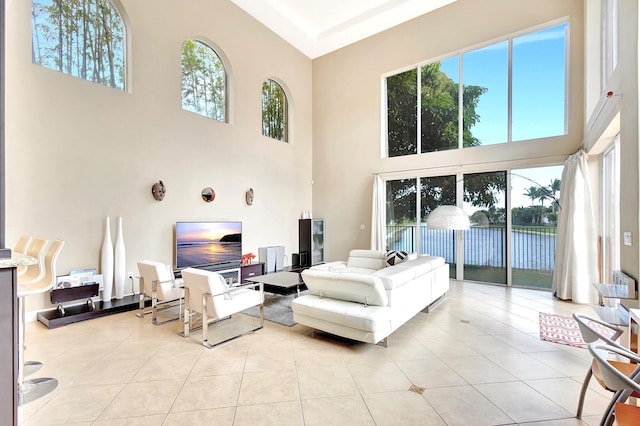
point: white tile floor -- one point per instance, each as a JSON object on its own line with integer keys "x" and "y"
{"x": 477, "y": 358}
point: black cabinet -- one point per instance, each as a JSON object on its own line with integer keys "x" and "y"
{"x": 311, "y": 241}
{"x": 250, "y": 271}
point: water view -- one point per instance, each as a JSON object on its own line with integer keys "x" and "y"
{"x": 532, "y": 249}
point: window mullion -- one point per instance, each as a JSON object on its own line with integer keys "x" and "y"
{"x": 418, "y": 215}
{"x": 458, "y": 235}
{"x": 509, "y": 90}
{"x": 460, "y": 104}
{"x": 419, "y": 111}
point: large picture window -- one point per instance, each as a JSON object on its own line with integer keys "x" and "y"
{"x": 509, "y": 91}
{"x": 84, "y": 39}
{"x": 204, "y": 81}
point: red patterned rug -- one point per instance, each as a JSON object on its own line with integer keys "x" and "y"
{"x": 564, "y": 330}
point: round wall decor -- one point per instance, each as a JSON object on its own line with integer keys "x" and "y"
{"x": 208, "y": 194}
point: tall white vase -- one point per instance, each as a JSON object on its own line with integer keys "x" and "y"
{"x": 106, "y": 261}
{"x": 119, "y": 274}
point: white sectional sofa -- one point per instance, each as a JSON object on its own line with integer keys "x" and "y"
{"x": 364, "y": 299}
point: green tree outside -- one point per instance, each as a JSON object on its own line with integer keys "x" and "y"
{"x": 83, "y": 38}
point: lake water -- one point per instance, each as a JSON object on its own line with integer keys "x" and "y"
{"x": 484, "y": 246}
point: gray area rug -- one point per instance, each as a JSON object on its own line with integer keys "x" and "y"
{"x": 277, "y": 309}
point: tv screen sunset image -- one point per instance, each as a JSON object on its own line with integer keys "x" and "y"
{"x": 208, "y": 243}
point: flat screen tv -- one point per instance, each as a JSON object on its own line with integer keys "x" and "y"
{"x": 208, "y": 243}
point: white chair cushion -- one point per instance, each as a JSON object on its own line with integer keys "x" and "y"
{"x": 168, "y": 287}
{"x": 239, "y": 300}
{"x": 223, "y": 302}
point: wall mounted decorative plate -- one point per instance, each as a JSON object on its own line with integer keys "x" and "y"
{"x": 208, "y": 194}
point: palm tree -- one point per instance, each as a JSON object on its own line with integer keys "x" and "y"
{"x": 532, "y": 192}
{"x": 543, "y": 195}
{"x": 554, "y": 188}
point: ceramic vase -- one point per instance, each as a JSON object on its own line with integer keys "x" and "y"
{"x": 119, "y": 274}
{"x": 106, "y": 262}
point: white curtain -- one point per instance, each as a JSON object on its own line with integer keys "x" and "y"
{"x": 378, "y": 215}
{"x": 576, "y": 244}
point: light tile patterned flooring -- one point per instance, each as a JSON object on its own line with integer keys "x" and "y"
{"x": 477, "y": 355}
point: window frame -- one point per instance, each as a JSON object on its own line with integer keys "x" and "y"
{"x": 610, "y": 192}
{"x": 223, "y": 62}
{"x": 285, "y": 114}
{"x": 119, "y": 11}
{"x": 610, "y": 39}
{"x": 509, "y": 39}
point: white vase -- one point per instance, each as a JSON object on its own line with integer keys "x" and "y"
{"x": 106, "y": 261}
{"x": 119, "y": 274}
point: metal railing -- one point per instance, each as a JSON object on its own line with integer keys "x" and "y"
{"x": 532, "y": 247}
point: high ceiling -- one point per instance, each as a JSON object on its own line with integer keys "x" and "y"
{"x": 317, "y": 27}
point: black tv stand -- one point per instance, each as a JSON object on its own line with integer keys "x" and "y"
{"x": 56, "y": 317}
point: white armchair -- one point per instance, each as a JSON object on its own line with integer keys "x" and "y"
{"x": 207, "y": 294}
{"x": 159, "y": 284}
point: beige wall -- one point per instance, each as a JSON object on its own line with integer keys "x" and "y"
{"x": 347, "y": 112}
{"x": 629, "y": 153}
{"x": 77, "y": 151}
{"x": 618, "y": 114}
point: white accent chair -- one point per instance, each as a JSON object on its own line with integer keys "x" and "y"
{"x": 207, "y": 294}
{"x": 36, "y": 250}
{"x": 29, "y": 390}
{"x": 158, "y": 282}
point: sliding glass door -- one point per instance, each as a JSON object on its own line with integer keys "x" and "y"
{"x": 434, "y": 192}
{"x": 401, "y": 215}
{"x": 500, "y": 248}
{"x": 485, "y": 244}
{"x": 534, "y": 219}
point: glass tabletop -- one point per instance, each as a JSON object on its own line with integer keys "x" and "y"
{"x": 279, "y": 279}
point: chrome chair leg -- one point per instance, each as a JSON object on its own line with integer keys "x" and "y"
{"x": 31, "y": 367}
{"x": 32, "y": 389}
{"x": 583, "y": 392}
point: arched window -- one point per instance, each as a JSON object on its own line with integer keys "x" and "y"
{"x": 84, "y": 39}
{"x": 274, "y": 111}
{"x": 204, "y": 81}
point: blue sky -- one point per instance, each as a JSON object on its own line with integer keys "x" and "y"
{"x": 538, "y": 105}
{"x": 538, "y": 85}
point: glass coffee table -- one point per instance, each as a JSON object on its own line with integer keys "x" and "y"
{"x": 283, "y": 282}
